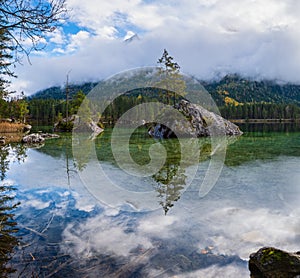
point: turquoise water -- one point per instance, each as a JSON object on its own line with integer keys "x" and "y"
{"x": 64, "y": 230}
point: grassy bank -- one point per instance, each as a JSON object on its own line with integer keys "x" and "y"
{"x": 12, "y": 127}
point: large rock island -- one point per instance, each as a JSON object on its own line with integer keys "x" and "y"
{"x": 198, "y": 122}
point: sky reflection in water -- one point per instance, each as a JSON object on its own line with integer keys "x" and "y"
{"x": 66, "y": 231}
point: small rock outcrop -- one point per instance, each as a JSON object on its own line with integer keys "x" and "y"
{"x": 95, "y": 129}
{"x": 65, "y": 124}
{"x": 2, "y": 140}
{"x": 198, "y": 122}
{"x": 27, "y": 128}
{"x": 269, "y": 262}
{"x": 38, "y": 138}
{"x": 74, "y": 121}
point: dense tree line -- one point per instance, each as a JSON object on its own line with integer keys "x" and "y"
{"x": 261, "y": 111}
{"x": 49, "y": 111}
{"x": 135, "y": 97}
{"x": 14, "y": 108}
{"x": 45, "y": 111}
{"x": 122, "y": 104}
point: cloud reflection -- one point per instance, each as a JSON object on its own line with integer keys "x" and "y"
{"x": 102, "y": 234}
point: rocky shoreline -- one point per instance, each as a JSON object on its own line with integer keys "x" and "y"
{"x": 30, "y": 139}
{"x": 38, "y": 138}
{"x": 12, "y": 132}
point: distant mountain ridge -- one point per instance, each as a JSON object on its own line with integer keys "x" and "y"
{"x": 57, "y": 92}
{"x": 233, "y": 86}
{"x": 248, "y": 91}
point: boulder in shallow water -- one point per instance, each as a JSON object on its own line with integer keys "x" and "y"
{"x": 269, "y": 262}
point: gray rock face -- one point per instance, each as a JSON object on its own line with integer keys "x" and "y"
{"x": 269, "y": 262}
{"x": 198, "y": 122}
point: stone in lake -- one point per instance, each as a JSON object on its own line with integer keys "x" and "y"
{"x": 38, "y": 138}
{"x": 269, "y": 262}
{"x": 197, "y": 122}
{"x": 49, "y": 135}
{"x": 33, "y": 138}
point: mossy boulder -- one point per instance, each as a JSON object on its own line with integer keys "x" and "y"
{"x": 269, "y": 262}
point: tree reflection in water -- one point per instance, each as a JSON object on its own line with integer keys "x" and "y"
{"x": 8, "y": 239}
{"x": 171, "y": 178}
{"x": 171, "y": 181}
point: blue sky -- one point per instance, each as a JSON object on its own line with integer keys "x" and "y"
{"x": 208, "y": 38}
